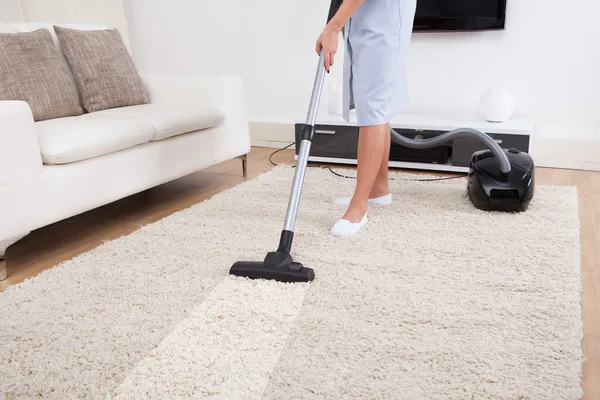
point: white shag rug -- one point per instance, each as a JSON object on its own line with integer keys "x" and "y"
{"x": 432, "y": 300}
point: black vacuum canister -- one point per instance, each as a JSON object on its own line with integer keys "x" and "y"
{"x": 492, "y": 190}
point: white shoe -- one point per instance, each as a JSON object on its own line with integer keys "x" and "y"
{"x": 380, "y": 201}
{"x": 346, "y": 228}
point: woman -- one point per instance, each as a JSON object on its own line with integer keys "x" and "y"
{"x": 377, "y": 34}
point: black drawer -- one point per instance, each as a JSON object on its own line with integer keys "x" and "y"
{"x": 463, "y": 148}
{"x": 331, "y": 141}
{"x": 435, "y": 155}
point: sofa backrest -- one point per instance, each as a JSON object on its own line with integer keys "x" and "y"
{"x": 110, "y": 13}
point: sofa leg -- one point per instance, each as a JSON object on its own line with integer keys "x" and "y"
{"x": 5, "y": 244}
{"x": 244, "y": 159}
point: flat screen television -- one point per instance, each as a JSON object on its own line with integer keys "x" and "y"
{"x": 460, "y": 15}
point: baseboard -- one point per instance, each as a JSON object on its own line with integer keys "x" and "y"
{"x": 272, "y": 144}
{"x": 567, "y": 154}
{"x": 272, "y": 135}
{"x": 272, "y": 132}
{"x": 549, "y": 153}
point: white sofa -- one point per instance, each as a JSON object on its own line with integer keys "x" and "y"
{"x": 54, "y": 169}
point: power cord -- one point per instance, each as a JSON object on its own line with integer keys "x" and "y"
{"x": 353, "y": 177}
{"x": 409, "y": 180}
{"x": 277, "y": 151}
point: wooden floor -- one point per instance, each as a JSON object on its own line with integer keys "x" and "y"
{"x": 64, "y": 240}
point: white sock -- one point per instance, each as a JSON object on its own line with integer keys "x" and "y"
{"x": 346, "y": 228}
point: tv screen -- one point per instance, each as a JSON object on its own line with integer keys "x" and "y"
{"x": 444, "y": 15}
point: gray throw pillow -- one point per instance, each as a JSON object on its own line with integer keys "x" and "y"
{"x": 31, "y": 70}
{"x": 103, "y": 68}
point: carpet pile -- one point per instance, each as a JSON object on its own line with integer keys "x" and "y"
{"x": 432, "y": 300}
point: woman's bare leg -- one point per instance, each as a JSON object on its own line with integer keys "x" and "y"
{"x": 372, "y": 143}
{"x": 381, "y": 185}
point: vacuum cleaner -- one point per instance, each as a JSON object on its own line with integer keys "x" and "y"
{"x": 498, "y": 180}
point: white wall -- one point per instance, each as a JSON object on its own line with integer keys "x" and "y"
{"x": 268, "y": 42}
{"x": 10, "y": 10}
{"x": 105, "y": 12}
{"x": 549, "y": 56}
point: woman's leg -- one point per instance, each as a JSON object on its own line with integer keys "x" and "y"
{"x": 381, "y": 186}
{"x": 372, "y": 144}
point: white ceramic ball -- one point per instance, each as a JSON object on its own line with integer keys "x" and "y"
{"x": 496, "y": 105}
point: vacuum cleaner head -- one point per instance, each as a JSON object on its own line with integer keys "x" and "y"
{"x": 276, "y": 266}
{"x": 492, "y": 190}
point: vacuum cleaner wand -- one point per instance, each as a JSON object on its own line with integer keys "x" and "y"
{"x": 279, "y": 265}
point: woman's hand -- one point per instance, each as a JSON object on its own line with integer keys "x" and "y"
{"x": 328, "y": 41}
{"x": 328, "y": 44}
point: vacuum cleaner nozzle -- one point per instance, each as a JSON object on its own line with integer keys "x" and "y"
{"x": 277, "y": 266}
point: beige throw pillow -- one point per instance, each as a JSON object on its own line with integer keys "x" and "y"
{"x": 103, "y": 68}
{"x": 31, "y": 70}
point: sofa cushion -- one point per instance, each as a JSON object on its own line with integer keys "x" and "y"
{"x": 32, "y": 26}
{"x": 72, "y": 139}
{"x": 103, "y": 68}
{"x": 32, "y": 71}
{"x": 171, "y": 120}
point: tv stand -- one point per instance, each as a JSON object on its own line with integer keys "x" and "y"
{"x": 335, "y": 140}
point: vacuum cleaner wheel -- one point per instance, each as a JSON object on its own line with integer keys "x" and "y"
{"x": 490, "y": 189}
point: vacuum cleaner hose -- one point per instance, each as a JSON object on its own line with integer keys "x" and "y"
{"x": 449, "y": 136}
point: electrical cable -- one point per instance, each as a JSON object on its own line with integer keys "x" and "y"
{"x": 277, "y": 151}
{"x": 352, "y": 177}
{"x": 409, "y": 180}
